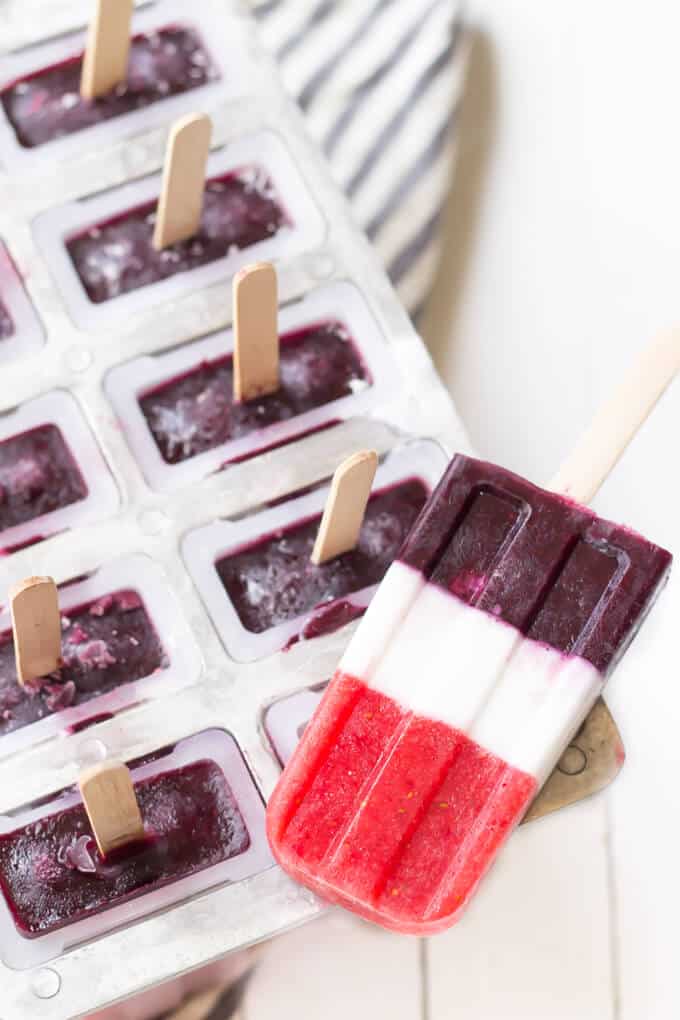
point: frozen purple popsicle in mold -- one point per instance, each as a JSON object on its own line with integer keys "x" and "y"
{"x": 53, "y": 475}
{"x": 240, "y": 209}
{"x": 290, "y": 572}
{"x": 106, "y": 643}
{"x": 47, "y": 104}
{"x": 38, "y": 475}
{"x": 273, "y": 580}
{"x": 52, "y": 874}
{"x": 196, "y": 412}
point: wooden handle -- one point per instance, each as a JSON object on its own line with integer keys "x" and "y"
{"x": 615, "y": 424}
{"x": 111, "y": 805}
{"x": 105, "y": 60}
{"x": 256, "y": 332}
{"x": 346, "y": 506}
{"x": 180, "y": 205}
{"x": 36, "y": 625}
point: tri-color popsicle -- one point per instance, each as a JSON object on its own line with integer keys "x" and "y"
{"x": 485, "y": 647}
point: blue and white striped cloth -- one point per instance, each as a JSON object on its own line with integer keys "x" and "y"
{"x": 380, "y": 82}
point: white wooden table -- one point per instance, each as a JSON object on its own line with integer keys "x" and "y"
{"x": 563, "y": 257}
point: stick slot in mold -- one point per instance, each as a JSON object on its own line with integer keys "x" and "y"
{"x": 203, "y": 780}
{"x": 230, "y": 561}
{"x": 174, "y": 408}
{"x": 124, "y": 641}
{"x": 254, "y": 164}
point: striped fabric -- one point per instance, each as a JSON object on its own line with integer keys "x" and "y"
{"x": 380, "y": 82}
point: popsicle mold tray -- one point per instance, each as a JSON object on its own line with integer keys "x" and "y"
{"x": 167, "y": 515}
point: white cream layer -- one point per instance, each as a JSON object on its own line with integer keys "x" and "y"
{"x": 436, "y": 656}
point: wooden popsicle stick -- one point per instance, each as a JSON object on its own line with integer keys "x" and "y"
{"x": 346, "y": 506}
{"x": 36, "y": 625}
{"x": 180, "y": 205}
{"x": 256, "y": 332}
{"x": 616, "y": 423}
{"x": 201, "y": 1005}
{"x": 105, "y": 61}
{"x": 111, "y": 805}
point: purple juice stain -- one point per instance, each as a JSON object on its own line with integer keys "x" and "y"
{"x": 268, "y": 447}
{"x": 273, "y": 580}
{"x": 330, "y": 617}
{"x": 92, "y": 720}
{"x": 105, "y": 644}
{"x": 37, "y": 476}
{"x": 327, "y": 619}
{"x": 112, "y": 258}
{"x": 47, "y": 104}
{"x": 196, "y": 411}
{"x": 52, "y": 874}
{"x": 6, "y": 323}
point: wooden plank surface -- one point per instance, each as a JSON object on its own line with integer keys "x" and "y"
{"x": 337, "y": 969}
{"x": 535, "y": 943}
{"x": 645, "y": 697}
